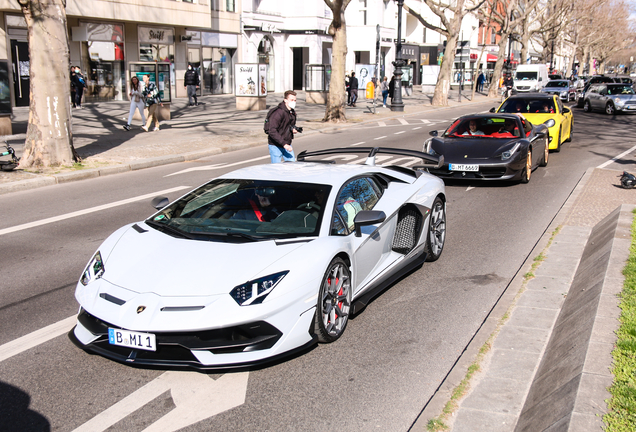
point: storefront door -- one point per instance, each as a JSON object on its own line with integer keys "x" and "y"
{"x": 21, "y": 79}
{"x": 194, "y": 59}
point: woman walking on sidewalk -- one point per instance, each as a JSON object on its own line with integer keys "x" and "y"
{"x": 136, "y": 102}
{"x": 151, "y": 93}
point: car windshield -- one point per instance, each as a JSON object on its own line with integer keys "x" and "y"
{"x": 245, "y": 210}
{"x": 491, "y": 127}
{"x": 620, "y": 89}
{"x": 527, "y": 105}
{"x": 557, "y": 84}
{"x": 525, "y": 76}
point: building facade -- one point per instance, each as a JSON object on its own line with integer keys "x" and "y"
{"x": 112, "y": 40}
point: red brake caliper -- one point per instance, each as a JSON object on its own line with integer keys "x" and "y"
{"x": 339, "y": 293}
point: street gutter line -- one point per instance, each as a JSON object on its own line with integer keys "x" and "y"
{"x": 88, "y": 210}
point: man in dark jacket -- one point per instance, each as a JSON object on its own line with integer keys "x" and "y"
{"x": 191, "y": 83}
{"x": 353, "y": 82}
{"x": 282, "y": 127}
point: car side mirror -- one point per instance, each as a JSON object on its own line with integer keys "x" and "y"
{"x": 602, "y": 93}
{"x": 367, "y": 217}
{"x": 493, "y": 109}
{"x": 159, "y": 202}
{"x": 433, "y": 133}
{"x": 566, "y": 110}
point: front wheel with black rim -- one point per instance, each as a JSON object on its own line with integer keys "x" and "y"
{"x": 334, "y": 302}
{"x": 609, "y": 109}
{"x": 546, "y": 154}
{"x": 527, "y": 170}
{"x": 436, "y": 235}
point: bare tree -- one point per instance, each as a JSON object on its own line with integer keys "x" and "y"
{"x": 449, "y": 27}
{"x": 49, "y": 137}
{"x": 335, "y": 109}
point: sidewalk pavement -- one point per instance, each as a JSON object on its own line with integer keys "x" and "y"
{"x": 213, "y": 127}
{"x": 550, "y": 338}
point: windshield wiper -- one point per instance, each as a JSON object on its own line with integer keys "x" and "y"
{"x": 168, "y": 228}
{"x": 229, "y": 234}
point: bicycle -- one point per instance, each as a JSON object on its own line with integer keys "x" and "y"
{"x": 9, "y": 165}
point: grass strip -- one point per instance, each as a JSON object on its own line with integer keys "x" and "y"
{"x": 621, "y": 416}
{"x": 437, "y": 424}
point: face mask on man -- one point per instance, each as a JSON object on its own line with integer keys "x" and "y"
{"x": 292, "y": 105}
{"x": 189, "y": 67}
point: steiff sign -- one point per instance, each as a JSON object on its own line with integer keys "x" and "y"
{"x": 156, "y": 35}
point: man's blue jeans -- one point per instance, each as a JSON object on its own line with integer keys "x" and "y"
{"x": 278, "y": 153}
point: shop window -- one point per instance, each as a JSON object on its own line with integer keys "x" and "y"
{"x": 156, "y": 52}
{"x": 266, "y": 56}
{"x": 102, "y": 62}
{"x": 217, "y": 68}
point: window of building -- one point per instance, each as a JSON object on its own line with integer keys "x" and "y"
{"x": 363, "y": 11}
{"x": 230, "y": 5}
{"x": 102, "y": 62}
{"x": 493, "y": 36}
{"x": 215, "y": 5}
{"x": 217, "y": 68}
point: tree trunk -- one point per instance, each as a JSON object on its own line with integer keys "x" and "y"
{"x": 335, "y": 110}
{"x": 525, "y": 42}
{"x": 493, "y": 92}
{"x": 442, "y": 88}
{"x": 49, "y": 137}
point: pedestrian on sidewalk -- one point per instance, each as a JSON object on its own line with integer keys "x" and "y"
{"x": 73, "y": 86}
{"x": 385, "y": 90}
{"x": 353, "y": 84}
{"x": 153, "y": 98}
{"x": 79, "y": 83}
{"x": 392, "y": 88}
{"x": 191, "y": 82}
{"x": 348, "y": 88}
{"x": 136, "y": 102}
{"x": 480, "y": 82}
{"x": 282, "y": 128}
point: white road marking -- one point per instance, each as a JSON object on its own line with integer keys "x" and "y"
{"x": 419, "y": 127}
{"x": 403, "y": 121}
{"x": 469, "y": 188}
{"x": 36, "y": 338}
{"x": 401, "y": 132}
{"x": 357, "y": 144}
{"x": 217, "y": 166}
{"x": 195, "y": 395}
{"x": 381, "y": 123}
{"x": 89, "y": 210}
{"x": 620, "y": 156}
{"x": 379, "y": 138}
{"x": 411, "y": 161}
{"x": 428, "y": 122}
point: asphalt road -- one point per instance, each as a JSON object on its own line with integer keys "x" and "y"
{"x": 378, "y": 376}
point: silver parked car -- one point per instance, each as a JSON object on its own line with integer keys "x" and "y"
{"x": 611, "y": 98}
{"x": 563, "y": 88}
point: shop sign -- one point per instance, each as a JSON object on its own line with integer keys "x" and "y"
{"x": 410, "y": 52}
{"x": 156, "y": 35}
{"x": 221, "y": 40}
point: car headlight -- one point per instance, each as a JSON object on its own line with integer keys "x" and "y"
{"x": 619, "y": 101}
{"x": 508, "y": 153}
{"x": 255, "y": 291}
{"x": 549, "y": 123}
{"x": 94, "y": 270}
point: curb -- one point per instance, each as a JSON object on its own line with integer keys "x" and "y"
{"x": 48, "y": 180}
{"x": 434, "y": 407}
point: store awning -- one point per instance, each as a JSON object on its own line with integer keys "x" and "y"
{"x": 491, "y": 58}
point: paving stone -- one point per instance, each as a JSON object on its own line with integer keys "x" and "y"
{"x": 533, "y": 317}
{"x": 523, "y": 339}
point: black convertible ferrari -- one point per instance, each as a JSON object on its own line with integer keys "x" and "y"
{"x": 490, "y": 147}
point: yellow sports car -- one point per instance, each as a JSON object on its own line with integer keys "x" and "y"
{"x": 540, "y": 108}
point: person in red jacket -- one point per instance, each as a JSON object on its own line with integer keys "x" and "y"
{"x": 282, "y": 128}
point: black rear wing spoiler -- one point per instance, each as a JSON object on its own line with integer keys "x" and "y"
{"x": 428, "y": 159}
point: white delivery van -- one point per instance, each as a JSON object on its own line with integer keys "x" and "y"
{"x": 530, "y": 77}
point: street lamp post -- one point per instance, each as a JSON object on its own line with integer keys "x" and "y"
{"x": 396, "y": 102}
